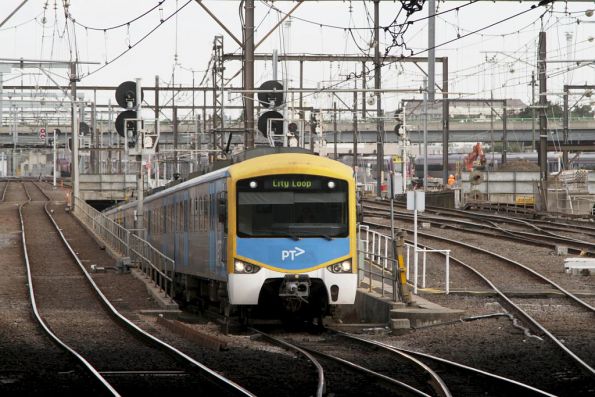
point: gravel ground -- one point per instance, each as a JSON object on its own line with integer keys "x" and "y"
{"x": 493, "y": 344}
{"x": 542, "y": 260}
{"x": 496, "y": 345}
{"x": 246, "y": 362}
{"x": 30, "y": 364}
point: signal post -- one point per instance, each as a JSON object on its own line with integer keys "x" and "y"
{"x": 138, "y": 142}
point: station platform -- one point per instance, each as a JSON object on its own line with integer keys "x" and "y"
{"x": 373, "y": 308}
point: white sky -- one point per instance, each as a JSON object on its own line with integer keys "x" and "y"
{"x": 25, "y": 35}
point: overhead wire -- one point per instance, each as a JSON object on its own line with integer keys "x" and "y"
{"x": 131, "y": 46}
{"x": 384, "y": 64}
{"x": 127, "y": 23}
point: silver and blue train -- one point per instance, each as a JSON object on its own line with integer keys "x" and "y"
{"x": 276, "y": 231}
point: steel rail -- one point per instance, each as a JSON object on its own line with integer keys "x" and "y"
{"x": 94, "y": 372}
{"x": 5, "y": 189}
{"x": 26, "y": 191}
{"x": 367, "y": 371}
{"x": 232, "y": 386}
{"x": 437, "y": 382}
{"x": 468, "y": 214}
{"x": 512, "y": 261}
{"x": 445, "y": 361}
{"x": 528, "y": 318}
{"x": 578, "y": 245}
{"x": 42, "y": 191}
{"x": 321, "y": 385}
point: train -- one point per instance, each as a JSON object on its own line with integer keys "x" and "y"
{"x": 275, "y": 231}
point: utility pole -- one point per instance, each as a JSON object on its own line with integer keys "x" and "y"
{"x": 425, "y": 135}
{"x": 445, "y": 119}
{"x": 355, "y": 129}
{"x": 248, "y": 48}
{"x": 74, "y": 124}
{"x": 54, "y": 158}
{"x": 379, "y": 115}
{"x": 541, "y": 67}
{"x": 431, "y": 49}
{"x": 565, "y": 126}
{"x": 175, "y": 133}
{"x": 335, "y": 127}
{"x": 140, "y": 187}
{"x": 533, "y": 111}
{"x": 504, "y": 132}
{"x": 492, "y": 127}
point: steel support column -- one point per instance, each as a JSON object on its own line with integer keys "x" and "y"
{"x": 248, "y": 55}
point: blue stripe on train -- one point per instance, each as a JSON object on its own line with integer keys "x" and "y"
{"x": 285, "y": 253}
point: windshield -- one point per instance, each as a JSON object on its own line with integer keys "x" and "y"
{"x": 292, "y": 206}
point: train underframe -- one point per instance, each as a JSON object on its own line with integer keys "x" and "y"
{"x": 294, "y": 299}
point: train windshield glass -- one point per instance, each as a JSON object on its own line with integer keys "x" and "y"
{"x": 293, "y": 206}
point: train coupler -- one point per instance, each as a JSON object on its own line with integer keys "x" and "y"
{"x": 295, "y": 286}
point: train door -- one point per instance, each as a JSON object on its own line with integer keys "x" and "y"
{"x": 213, "y": 235}
{"x": 222, "y": 233}
{"x": 186, "y": 228}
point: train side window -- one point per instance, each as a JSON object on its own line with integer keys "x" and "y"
{"x": 164, "y": 220}
{"x": 200, "y": 212}
{"x": 205, "y": 212}
{"x": 186, "y": 214}
{"x": 195, "y": 217}
{"x": 170, "y": 217}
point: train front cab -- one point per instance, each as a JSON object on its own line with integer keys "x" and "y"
{"x": 292, "y": 234}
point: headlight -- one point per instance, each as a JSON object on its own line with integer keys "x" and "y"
{"x": 340, "y": 267}
{"x": 245, "y": 267}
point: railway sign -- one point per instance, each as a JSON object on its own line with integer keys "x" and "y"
{"x": 42, "y": 133}
{"x": 416, "y": 200}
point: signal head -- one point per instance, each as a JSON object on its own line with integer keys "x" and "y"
{"x": 275, "y": 97}
{"x": 126, "y": 95}
{"x": 130, "y": 125}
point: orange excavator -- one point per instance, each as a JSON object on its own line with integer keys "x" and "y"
{"x": 476, "y": 159}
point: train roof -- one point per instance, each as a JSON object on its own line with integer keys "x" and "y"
{"x": 290, "y": 163}
{"x": 261, "y": 163}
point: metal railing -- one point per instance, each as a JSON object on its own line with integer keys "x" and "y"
{"x": 124, "y": 242}
{"x": 375, "y": 262}
{"x": 379, "y": 262}
{"x": 424, "y": 252}
{"x": 158, "y": 267}
{"x": 115, "y": 236}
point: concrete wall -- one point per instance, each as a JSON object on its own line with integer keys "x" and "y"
{"x": 106, "y": 187}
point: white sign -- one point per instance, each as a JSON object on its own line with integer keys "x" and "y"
{"x": 42, "y": 133}
{"x": 291, "y": 254}
{"x": 416, "y": 200}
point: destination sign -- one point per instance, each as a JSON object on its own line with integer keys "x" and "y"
{"x": 292, "y": 184}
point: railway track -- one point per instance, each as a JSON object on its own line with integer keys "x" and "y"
{"x": 379, "y": 368}
{"x": 331, "y": 375}
{"x": 491, "y": 267}
{"x": 3, "y": 188}
{"x": 31, "y": 364}
{"x": 584, "y": 228}
{"x": 489, "y": 227}
{"x": 123, "y": 359}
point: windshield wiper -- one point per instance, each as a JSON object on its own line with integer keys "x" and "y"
{"x": 316, "y": 234}
{"x": 287, "y": 234}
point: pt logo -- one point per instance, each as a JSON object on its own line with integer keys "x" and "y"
{"x": 291, "y": 254}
